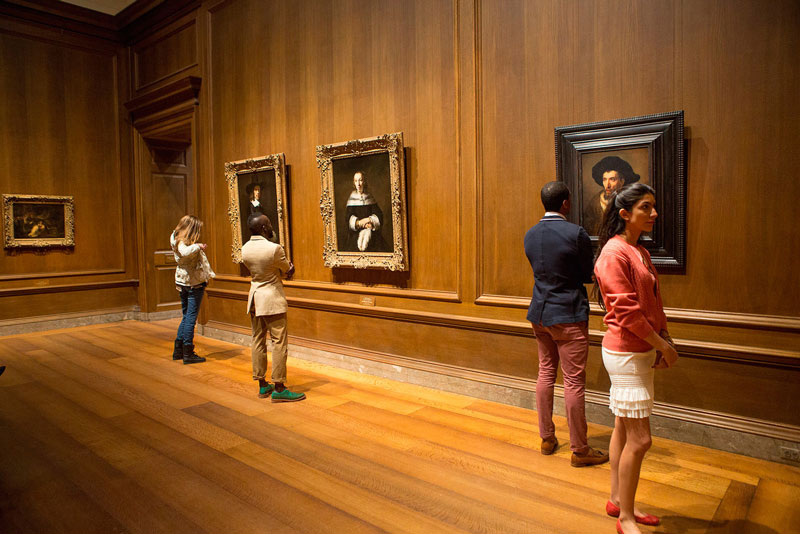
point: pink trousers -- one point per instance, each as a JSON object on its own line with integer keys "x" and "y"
{"x": 569, "y": 344}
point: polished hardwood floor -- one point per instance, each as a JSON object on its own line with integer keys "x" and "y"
{"x": 102, "y": 432}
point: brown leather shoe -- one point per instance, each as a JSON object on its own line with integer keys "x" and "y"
{"x": 549, "y": 445}
{"x": 592, "y": 457}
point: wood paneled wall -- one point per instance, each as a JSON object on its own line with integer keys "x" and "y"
{"x": 544, "y": 64}
{"x": 477, "y": 87}
{"x": 163, "y": 55}
{"x": 61, "y": 133}
{"x": 335, "y": 71}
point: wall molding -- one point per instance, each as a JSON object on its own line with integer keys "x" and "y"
{"x": 151, "y": 109}
{"x": 54, "y": 34}
{"x": 687, "y": 347}
{"x": 146, "y": 17}
{"x": 782, "y": 323}
{"x": 63, "y": 288}
{"x": 477, "y": 40}
{"x": 63, "y": 17}
{"x": 414, "y": 316}
{"x": 421, "y": 294}
{"x": 62, "y": 274}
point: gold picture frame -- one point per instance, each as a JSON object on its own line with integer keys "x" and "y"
{"x": 38, "y": 221}
{"x": 257, "y": 184}
{"x": 356, "y": 230}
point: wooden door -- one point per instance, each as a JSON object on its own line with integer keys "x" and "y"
{"x": 164, "y": 167}
{"x": 165, "y": 199}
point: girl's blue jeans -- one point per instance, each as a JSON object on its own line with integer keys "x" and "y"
{"x": 191, "y": 297}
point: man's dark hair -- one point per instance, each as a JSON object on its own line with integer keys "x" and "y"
{"x": 614, "y": 163}
{"x": 254, "y": 224}
{"x": 554, "y": 194}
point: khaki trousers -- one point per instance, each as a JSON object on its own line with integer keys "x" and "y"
{"x": 275, "y": 326}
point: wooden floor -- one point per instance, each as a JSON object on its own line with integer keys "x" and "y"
{"x": 102, "y": 432}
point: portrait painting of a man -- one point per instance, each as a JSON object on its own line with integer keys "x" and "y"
{"x": 361, "y": 188}
{"x": 596, "y": 159}
{"x": 257, "y": 194}
{"x": 605, "y": 173}
{"x": 257, "y": 186}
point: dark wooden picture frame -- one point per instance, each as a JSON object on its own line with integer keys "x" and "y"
{"x": 264, "y": 177}
{"x": 649, "y": 149}
{"x": 38, "y": 221}
{"x": 379, "y": 162}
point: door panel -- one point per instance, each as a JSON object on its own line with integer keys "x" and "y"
{"x": 165, "y": 200}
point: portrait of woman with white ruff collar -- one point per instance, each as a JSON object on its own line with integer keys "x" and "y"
{"x": 363, "y": 203}
{"x": 362, "y": 193}
{"x": 364, "y": 219}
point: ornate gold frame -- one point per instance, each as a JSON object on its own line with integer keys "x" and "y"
{"x": 397, "y": 260}
{"x": 232, "y": 171}
{"x": 8, "y": 222}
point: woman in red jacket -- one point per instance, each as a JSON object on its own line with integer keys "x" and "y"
{"x": 636, "y": 343}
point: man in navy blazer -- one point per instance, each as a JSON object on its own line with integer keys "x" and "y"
{"x": 560, "y": 254}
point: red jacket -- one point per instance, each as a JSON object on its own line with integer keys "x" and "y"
{"x": 631, "y": 295}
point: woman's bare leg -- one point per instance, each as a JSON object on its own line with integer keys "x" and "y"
{"x": 638, "y": 441}
{"x": 618, "y": 438}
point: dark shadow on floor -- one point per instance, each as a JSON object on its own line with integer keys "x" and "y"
{"x": 223, "y": 355}
{"x": 674, "y": 524}
{"x": 600, "y": 441}
{"x": 308, "y": 386}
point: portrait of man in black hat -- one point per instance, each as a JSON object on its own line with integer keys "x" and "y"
{"x": 258, "y": 194}
{"x": 610, "y": 173}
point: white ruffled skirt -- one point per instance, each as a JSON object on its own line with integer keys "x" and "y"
{"x": 631, "y": 376}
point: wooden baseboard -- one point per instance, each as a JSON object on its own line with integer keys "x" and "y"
{"x": 68, "y": 316}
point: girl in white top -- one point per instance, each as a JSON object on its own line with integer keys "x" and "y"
{"x": 191, "y": 278}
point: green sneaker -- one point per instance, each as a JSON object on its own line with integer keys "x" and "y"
{"x": 287, "y": 396}
{"x": 265, "y": 392}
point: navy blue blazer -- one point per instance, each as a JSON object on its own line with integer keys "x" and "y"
{"x": 560, "y": 254}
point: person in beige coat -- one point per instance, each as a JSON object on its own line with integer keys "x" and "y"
{"x": 267, "y": 307}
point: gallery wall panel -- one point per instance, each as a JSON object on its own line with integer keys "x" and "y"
{"x": 537, "y": 65}
{"x": 546, "y": 64}
{"x": 166, "y": 54}
{"x": 329, "y": 72}
{"x": 58, "y": 136}
{"x": 741, "y": 105}
{"x": 67, "y": 299}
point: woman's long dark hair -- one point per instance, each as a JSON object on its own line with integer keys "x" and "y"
{"x": 613, "y": 224}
